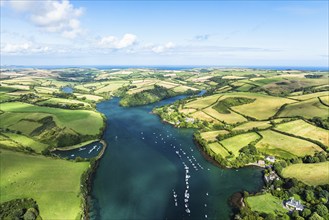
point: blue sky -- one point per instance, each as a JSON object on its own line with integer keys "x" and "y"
{"x": 228, "y": 33}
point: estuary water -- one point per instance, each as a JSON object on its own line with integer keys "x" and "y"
{"x": 151, "y": 170}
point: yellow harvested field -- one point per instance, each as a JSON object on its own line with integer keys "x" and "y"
{"x": 234, "y": 77}
{"x": 16, "y": 86}
{"x": 262, "y": 108}
{"x": 167, "y": 85}
{"x": 311, "y": 95}
{"x": 325, "y": 100}
{"x": 274, "y": 143}
{"x": 109, "y": 88}
{"x": 308, "y": 109}
{"x": 253, "y": 124}
{"x": 311, "y": 174}
{"x": 186, "y": 110}
{"x": 46, "y": 90}
{"x": 203, "y": 116}
{"x": 304, "y": 129}
{"x": 231, "y": 118}
{"x": 183, "y": 88}
{"x": 211, "y": 135}
{"x": 218, "y": 149}
{"x": 203, "y": 102}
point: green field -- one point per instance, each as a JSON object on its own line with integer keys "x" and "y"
{"x": 252, "y": 124}
{"x": 311, "y": 95}
{"x": 211, "y": 135}
{"x": 81, "y": 121}
{"x": 230, "y": 118}
{"x": 53, "y": 183}
{"x": 25, "y": 141}
{"x": 266, "y": 203}
{"x": 203, "y": 116}
{"x": 262, "y": 108}
{"x": 325, "y": 100}
{"x": 89, "y": 97}
{"x": 311, "y": 174}
{"x": 274, "y": 143}
{"x": 304, "y": 129}
{"x": 203, "y": 102}
{"x": 63, "y": 102}
{"x": 307, "y": 109}
{"x": 218, "y": 149}
{"x": 234, "y": 144}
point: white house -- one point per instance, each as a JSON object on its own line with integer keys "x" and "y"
{"x": 294, "y": 204}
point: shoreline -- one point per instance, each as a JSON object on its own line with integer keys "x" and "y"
{"x": 73, "y": 147}
{"x": 89, "y": 179}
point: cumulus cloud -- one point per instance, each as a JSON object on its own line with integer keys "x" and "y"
{"x": 163, "y": 48}
{"x": 51, "y": 16}
{"x": 23, "y": 48}
{"x": 112, "y": 42}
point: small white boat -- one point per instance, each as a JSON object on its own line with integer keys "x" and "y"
{"x": 206, "y": 216}
{"x": 188, "y": 211}
{"x": 72, "y": 155}
{"x": 207, "y": 194}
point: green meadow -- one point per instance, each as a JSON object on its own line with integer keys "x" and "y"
{"x": 53, "y": 183}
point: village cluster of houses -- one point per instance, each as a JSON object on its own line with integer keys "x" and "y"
{"x": 292, "y": 203}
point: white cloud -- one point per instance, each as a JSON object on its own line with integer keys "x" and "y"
{"x": 51, "y": 16}
{"x": 112, "y": 42}
{"x": 163, "y": 48}
{"x": 23, "y": 48}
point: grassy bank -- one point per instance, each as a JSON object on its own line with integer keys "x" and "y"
{"x": 53, "y": 183}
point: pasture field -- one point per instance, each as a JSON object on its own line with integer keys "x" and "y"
{"x": 140, "y": 89}
{"x": 181, "y": 89}
{"x": 234, "y": 144}
{"x": 262, "y": 108}
{"x": 111, "y": 87}
{"x": 167, "y": 85}
{"x": 14, "y": 87}
{"x": 95, "y": 98}
{"x": 5, "y": 97}
{"x": 25, "y": 141}
{"x": 307, "y": 109}
{"x": 23, "y": 122}
{"x": 63, "y": 102}
{"x": 252, "y": 124}
{"x": 46, "y": 90}
{"x": 53, "y": 183}
{"x": 325, "y": 100}
{"x": 81, "y": 121}
{"x": 274, "y": 143}
{"x": 186, "y": 110}
{"x": 218, "y": 149}
{"x": 211, "y": 135}
{"x": 304, "y": 129}
{"x": 311, "y": 95}
{"x": 202, "y": 102}
{"x": 266, "y": 203}
{"x": 245, "y": 87}
{"x": 230, "y": 118}
{"x": 310, "y": 174}
{"x": 203, "y": 116}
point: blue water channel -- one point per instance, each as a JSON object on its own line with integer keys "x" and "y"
{"x": 152, "y": 170}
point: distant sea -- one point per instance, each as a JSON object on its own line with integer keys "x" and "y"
{"x": 164, "y": 67}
